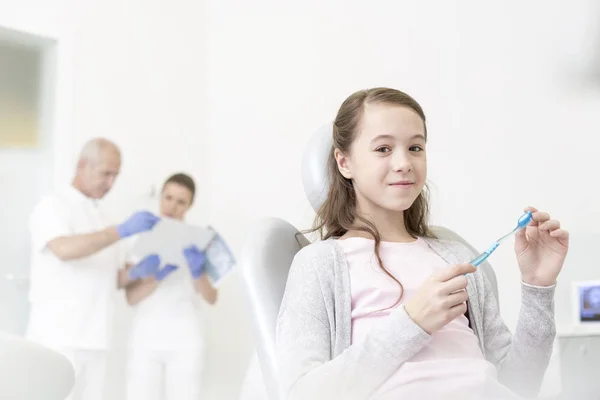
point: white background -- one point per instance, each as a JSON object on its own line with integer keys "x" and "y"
{"x": 230, "y": 91}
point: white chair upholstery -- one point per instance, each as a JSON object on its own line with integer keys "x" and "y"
{"x": 29, "y": 371}
{"x": 268, "y": 252}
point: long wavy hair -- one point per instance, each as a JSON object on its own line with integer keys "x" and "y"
{"x": 337, "y": 215}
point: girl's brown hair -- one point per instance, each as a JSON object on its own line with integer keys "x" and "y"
{"x": 338, "y": 214}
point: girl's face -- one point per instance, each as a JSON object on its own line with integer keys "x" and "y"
{"x": 175, "y": 201}
{"x": 387, "y": 161}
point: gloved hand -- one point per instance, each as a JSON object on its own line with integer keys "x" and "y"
{"x": 196, "y": 260}
{"x": 140, "y": 221}
{"x": 165, "y": 271}
{"x": 145, "y": 268}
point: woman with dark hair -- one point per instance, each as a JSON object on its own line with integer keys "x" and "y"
{"x": 166, "y": 342}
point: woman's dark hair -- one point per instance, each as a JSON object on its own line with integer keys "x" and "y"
{"x": 183, "y": 180}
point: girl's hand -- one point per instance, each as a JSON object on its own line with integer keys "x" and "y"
{"x": 541, "y": 249}
{"x": 441, "y": 298}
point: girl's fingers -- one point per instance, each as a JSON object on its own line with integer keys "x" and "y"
{"x": 550, "y": 225}
{"x": 539, "y": 217}
{"x": 560, "y": 234}
{"x": 530, "y": 208}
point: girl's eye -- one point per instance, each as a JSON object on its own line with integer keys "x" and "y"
{"x": 383, "y": 149}
{"x": 416, "y": 148}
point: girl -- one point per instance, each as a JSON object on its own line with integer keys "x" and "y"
{"x": 166, "y": 341}
{"x": 382, "y": 309}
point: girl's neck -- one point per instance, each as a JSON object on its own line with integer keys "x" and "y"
{"x": 391, "y": 228}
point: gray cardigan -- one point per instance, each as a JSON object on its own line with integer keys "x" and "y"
{"x": 314, "y": 355}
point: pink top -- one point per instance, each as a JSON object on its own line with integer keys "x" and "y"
{"x": 452, "y": 364}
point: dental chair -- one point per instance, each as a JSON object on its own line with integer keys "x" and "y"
{"x": 267, "y": 255}
{"x": 29, "y": 371}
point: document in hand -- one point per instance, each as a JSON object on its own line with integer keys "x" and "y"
{"x": 169, "y": 237}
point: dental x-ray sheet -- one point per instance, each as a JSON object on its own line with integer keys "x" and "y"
{"x": 170, "y": 237}
{"x": 220, "y": 260}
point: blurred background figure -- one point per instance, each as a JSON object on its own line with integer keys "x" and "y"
{"x": 166, "y": 344}
{"x": 74, "y": 264}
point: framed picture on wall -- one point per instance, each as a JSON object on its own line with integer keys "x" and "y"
{"x": 586, "y": 305}
{"x": 21, "y": 92}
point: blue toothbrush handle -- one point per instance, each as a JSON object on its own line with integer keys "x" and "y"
{"x": 481, "y": 258}
{"x": 524, "y": 220}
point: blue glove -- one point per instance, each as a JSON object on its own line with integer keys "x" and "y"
{"x": 196, "y": 260}
{"x": 139, "y": 222}
{"x": 166, "y": 271}
{"x": 145, "y": 268}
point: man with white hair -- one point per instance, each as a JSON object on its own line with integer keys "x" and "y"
{"x": 74, "y": 267}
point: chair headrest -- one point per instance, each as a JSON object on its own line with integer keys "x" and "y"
{"x": 32, "y": 371}
{"x": 314, "y": 165}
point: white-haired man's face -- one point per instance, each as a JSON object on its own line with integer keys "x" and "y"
{"x": 98, "y": 176}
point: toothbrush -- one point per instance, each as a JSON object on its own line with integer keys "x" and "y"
{"x": 523, "y": 221}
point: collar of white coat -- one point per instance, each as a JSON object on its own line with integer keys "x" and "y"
{"x": 73, "y": 193}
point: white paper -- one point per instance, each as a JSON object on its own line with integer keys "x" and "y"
{"x": 168, "y": 239}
